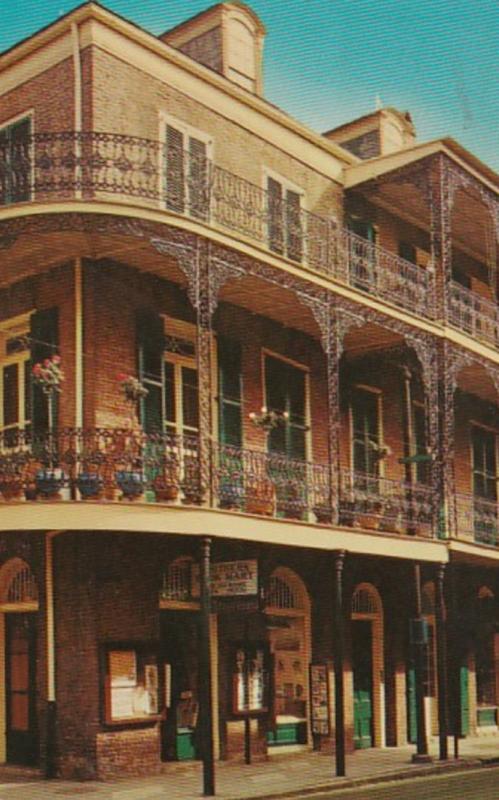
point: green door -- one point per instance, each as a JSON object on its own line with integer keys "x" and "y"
{"x": 362, "y": 683}
{"x": 465, "y": 709}
{"x": 412, "y": 716}
{"x": 20, "y": 641}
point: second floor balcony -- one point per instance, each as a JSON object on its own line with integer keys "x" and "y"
{"x": 100, "y": 166}
{"x": 124, "y": 465}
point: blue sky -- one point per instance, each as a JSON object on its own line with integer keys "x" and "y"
{"x": 326, "y": 60}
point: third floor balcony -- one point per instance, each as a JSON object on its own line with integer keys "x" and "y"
{"x": 99, "y": 166}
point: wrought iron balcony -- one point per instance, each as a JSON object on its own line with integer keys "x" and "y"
{"x": 473, "y": 314}
{"x": 98, "y": 165}
{"x": 477, "y": 519}
{"x": 127, "y": 465}
{"x": 374, "y": 502}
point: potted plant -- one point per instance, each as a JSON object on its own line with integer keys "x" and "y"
{"x": 131, "y": 481}
{"x": 50, "y": 479}
{"x": 89, "y": 485}
{"x": 392, "y": 518}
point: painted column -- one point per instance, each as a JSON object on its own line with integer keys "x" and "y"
{"x": 339, "y": 658}
{"x": 205, "y": 670}
{"x": 440, "y": 615}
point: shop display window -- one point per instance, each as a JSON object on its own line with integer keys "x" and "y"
{"x": 131, "y": 683}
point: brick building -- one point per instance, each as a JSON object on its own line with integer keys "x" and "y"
{"x": 280, "y": 364}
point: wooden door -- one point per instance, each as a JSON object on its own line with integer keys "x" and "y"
{"x": 22, "y": 739}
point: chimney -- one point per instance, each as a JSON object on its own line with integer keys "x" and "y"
{"x": 227, "y": 38}
{"x": 384, "y": 131}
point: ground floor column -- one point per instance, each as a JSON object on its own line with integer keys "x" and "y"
{"x": 205, "y": 659}
{"x": 339, "y": 659}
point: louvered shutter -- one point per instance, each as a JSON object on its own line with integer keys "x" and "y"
{"x": 150, "y": 346}
{"x": 20, "y": 160}
{"x": 198, "y": 178}
{"x": 230, "y": 400}
{"x": 294, "y": 234}
{"x": 275, "y": 216}
{"x": 175, "y": 175}
{"x": 44, "y": 338}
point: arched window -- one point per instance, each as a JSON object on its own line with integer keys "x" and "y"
{"x": 17, "y": 583}
{"x": 366, "y": 600}
{"x": 181, "y": 580}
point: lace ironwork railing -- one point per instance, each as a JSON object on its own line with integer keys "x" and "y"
{"x": 371, "y": 501}
{"x": 376, "y": 271}
{"x": 104, "y": 464}
{"x": 92, "y": 165}
{"x": 270, "y": 484}
{"x": 477, "y": 519}
{"x": 473, "y": 314}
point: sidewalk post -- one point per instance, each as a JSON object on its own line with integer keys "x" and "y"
{"x": 441, "y": 662}
{"x": 339, "y": 657}
{"x": 206, "y": 710}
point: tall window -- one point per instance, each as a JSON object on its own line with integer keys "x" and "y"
{"x": 15, "y": 162}
{"x": 366, "y": 435}
{"x": 285, "y": 233}
{"x": 186, "y": 171}
{"x": 484, "y": 464}
{"x": 285, "y": 387}
{"x": 421, "y": 469}
{"x": 484, "y": 485}
{"x": 362, "y": 256}
{"x": 15, "y": 385}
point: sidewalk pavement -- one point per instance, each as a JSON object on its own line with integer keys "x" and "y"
{"x": 282, "y": 775}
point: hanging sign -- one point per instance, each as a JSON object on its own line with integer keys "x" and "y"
{"x": 234, "y": 578}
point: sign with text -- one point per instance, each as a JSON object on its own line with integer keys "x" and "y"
{"x": 234, "y": 578}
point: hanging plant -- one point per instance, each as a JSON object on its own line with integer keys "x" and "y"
{"x": 48, "y": 374}
{"x": 131, "y": 387}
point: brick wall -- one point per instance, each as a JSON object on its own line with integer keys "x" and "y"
{"x": 49, "y": 94}
{"x": 118, "y": 86}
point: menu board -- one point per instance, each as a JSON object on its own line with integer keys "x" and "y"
{"x": 319, "y": 699}
{"x": 132, "y": 685}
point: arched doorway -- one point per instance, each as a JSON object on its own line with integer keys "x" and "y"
{"x": 18, "y": 607}
{"x": 486, "y": 654}
{"x": 367, "y": 667}
{"x": 287, "y": 609}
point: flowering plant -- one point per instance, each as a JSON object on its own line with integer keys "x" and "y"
{"x": 268, "y": 418}
{"x": 132, "y": 388}
{"x": 49, "y": 375}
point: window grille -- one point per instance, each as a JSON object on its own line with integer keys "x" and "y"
{"x": 280, "y": 594}
{"x": 178, "y": 580}
{"x": 22, "y": 587}
{"x": 363, "y": 602}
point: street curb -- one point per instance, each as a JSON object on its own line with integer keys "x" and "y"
{"x": 399, "y": 775}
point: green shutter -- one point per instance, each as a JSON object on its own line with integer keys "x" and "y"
{"x": 275, "y": 216}
{"x": 150, "y": 346}
{"x": 229, "y": 392}
{"x": 44, "y": 337}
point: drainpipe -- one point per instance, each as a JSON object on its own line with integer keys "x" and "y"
{"x": 339, "y": 659}
{"x": 50, "y": 766}
{"x": 78, "y": 289}
{"x": 78, "y": 104}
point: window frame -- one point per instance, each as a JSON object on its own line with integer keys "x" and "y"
{"x": 380, "y": 432}
{"x": 286, "y": 185}
{"x": 11, "y": 328}
{"x": 267, "y": 352}
{"x": 29, "y": 114}
{"x": 188, "y": 132}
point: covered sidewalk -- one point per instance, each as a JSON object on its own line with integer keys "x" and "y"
{"x": 280, "y": 776}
